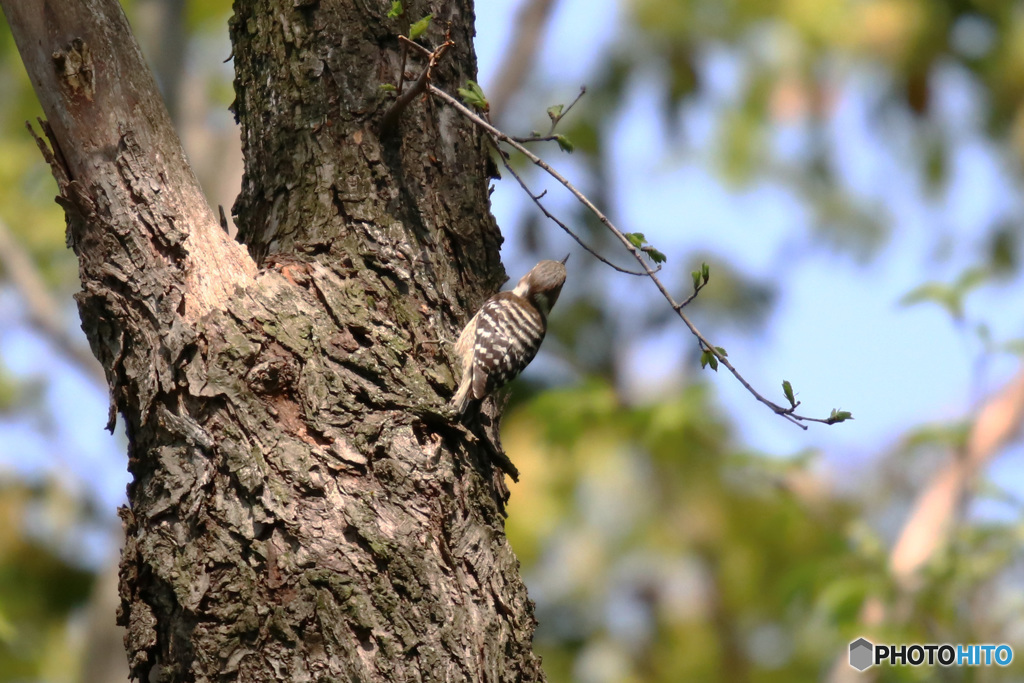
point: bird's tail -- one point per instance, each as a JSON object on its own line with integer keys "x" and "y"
{"x": 464, "y": 403}
{"x": 461, "y": 399}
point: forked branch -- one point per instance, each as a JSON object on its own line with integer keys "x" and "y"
{"x": 715, "y": 355}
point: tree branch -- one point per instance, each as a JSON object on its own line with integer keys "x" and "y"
{"x": 928, "y": 525}
{"x": 536, "y": 200}
{"x": 499, "y": 136}
{"x": 43, "y": 312}
{"x": 106, "y": 114}
{"x": 555, "y": 120}
{"x": 390, "y": 121}
{"x": 933, "y": 516}
{"x": 531, "y": 20}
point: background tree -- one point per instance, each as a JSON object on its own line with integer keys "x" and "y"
{"x": 827, "y": 159}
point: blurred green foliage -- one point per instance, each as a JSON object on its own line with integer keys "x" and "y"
{"x": 658, "y": 548}
{"x": 40, "y": 589}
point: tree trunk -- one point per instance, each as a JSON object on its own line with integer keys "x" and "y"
{"x": 300, "y": 509}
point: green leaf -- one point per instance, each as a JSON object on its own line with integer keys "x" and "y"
{"x": 705, "y": 272}
{"x": 417, "y": 29}
{"x": 396, "y": 9}
{"x": 565, "y": 144}
{"x": 722, "y": 352}
{"x": 713, "y": 361}
{"x": 950, "y": 297}
{"x": 473, "y": 95}
{"x": 704, "y": 356}
{"x": 787, "y": 389}
{"x": 387, "y": 86}
{"x": 1014, "y": 346}
{"x": 696, "y": 279}
{"x": 839, "y": 416}
{"x": 945, "y": 296}
{"x": 555, "y": 112}
{"x": 656, "y": 256}
{"x": 637, "y": 239}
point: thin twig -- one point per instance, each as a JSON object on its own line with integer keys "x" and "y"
{"x": 788, "y": 413}
{"x": 424, "y": 52}
{"x": 536, "y": 138}
{"x": 579, "y": 96}
{"x": 390, "y": 121}
{"x": 536, "y": 200}
{"x": 401, "y": 69}
{"x": 686, "y": 302}
{"x": 555, "y": 120}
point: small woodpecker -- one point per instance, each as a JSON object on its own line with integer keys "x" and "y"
{"x": 505, "y": 334}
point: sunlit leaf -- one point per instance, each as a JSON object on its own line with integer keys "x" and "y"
{"x": 473, "y": 95}
{"x": 839, "y": 416}
{"x": 419, "y": 27}
{"x": 637, "y": 239}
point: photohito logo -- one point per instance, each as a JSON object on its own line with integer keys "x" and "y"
{"x": 863, "y": 653}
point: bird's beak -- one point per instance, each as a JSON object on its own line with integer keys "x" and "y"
{"x": 565, "y": 259}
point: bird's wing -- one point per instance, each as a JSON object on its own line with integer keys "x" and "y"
{"x": 508, "y": 334}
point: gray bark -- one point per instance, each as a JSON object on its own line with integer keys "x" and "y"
{"x": 300, "y": 509}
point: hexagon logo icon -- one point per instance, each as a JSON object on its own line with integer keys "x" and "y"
{"x": 861, "y": 654}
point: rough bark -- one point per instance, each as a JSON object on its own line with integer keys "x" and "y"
{"x": 300, "y": 509}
